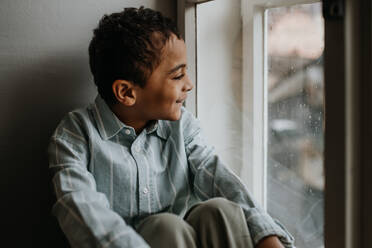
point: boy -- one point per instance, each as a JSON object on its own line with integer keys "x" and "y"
{"x": 132, "y": 169}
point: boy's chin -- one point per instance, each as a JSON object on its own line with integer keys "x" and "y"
{"x": 174, "y": 117}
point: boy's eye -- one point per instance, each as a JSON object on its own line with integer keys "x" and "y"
{"x": 179, "y": 77}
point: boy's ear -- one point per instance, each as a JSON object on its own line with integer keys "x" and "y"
{"x": 124, "y": 92}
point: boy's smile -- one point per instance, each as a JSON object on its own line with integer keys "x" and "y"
{"x": 164, "y": 92}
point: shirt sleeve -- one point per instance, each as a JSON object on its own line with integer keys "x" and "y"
{"x": 211, "y": 178}
{"x": 84, "y": 214}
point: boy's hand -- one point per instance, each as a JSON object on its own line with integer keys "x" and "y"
{"x": 270, "y": 242}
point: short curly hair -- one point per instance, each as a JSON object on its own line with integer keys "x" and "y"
{"x": 127, "y": 45}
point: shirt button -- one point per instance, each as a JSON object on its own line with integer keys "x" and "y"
{"x": 137, "y": 149}
{"x": 145, "y": 190}
{"x": 127, "y": 131}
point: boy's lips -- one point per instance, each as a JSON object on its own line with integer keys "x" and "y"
{"x": 181, "y": 100}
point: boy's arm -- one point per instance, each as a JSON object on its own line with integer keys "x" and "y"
{"x": 85, "y": 215}
{"x": 211, "y": 178}
{"x": 270, "y": 242}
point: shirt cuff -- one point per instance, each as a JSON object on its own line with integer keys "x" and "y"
{"x": 261, "y": 225}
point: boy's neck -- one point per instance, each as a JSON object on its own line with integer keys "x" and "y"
{"x": 129, "y": 118}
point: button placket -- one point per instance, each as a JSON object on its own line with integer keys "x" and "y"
{"x": 142, "y": 176}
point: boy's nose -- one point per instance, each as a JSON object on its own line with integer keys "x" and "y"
{"x": 188, "y": 84}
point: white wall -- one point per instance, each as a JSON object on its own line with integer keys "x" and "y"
{"x": 219, "y": 58}
{"x": 44, "y": 73}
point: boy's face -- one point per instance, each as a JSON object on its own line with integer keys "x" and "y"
{"x": 168, "y": 85}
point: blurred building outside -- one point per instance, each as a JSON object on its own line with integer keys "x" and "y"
{"x": 295, "y": 44}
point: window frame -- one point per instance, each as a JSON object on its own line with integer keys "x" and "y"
{"x": 348, "y": 197}
{"x": 255, "y": 116}
{"x": 186, "y": 22}
{"x": 349, "y": 125}
{"x": 255, "y": 104}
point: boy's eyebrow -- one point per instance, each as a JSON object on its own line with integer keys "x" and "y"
{"x": 176, "y": 68}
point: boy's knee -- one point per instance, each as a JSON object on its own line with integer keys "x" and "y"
{"x": 167, "y": 230}
{"x": 164, "y": 223}
{"x": 216, "y": 205}
{"x": 215, "y": 210}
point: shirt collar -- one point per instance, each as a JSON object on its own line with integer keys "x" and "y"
{"x": 163, "y": 129}
{"x": 109, "y": 125}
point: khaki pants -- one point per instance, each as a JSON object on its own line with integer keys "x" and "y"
{"x": 210, "y": 224}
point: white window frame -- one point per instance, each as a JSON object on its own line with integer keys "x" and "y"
{"x": 254, "y": 168}
{"x": 186, "y": 21}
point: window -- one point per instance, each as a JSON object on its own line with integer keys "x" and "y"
{"x": 235, "y": 74}
{"x": 260, "y": 87}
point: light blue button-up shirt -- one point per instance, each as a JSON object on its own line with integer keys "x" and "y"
{"x": 107, "y": 178}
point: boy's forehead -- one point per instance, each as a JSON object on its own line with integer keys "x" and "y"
{"x": 174, "y": 52}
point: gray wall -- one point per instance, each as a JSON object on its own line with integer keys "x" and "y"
{"x": 44, "y": 73}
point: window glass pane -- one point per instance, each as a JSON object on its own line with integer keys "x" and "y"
{"x": 295, "y": 43}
